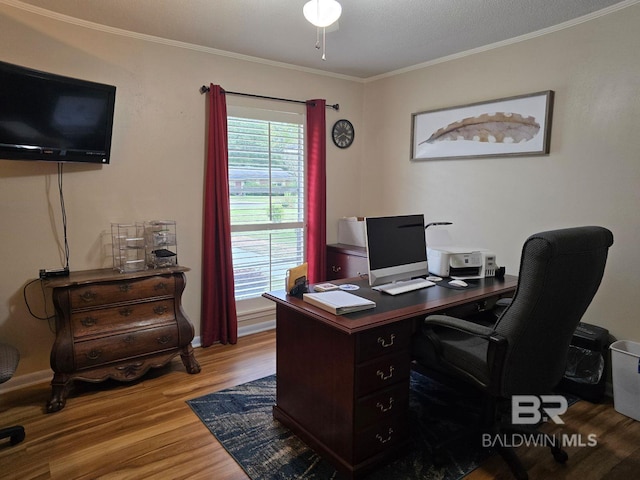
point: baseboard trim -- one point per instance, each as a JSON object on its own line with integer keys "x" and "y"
{"x": 27, "y": 380}
{"x": 243, "y": 331}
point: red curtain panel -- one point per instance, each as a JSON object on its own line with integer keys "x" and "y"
{"x": 219, "y": 322}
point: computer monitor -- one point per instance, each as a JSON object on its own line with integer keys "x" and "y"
{"x": 396, "y": 248}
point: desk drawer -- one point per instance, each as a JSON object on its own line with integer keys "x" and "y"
{"x": 125, "y": 345}
{"x": 383, "y": 341}
{"x": 124, "y": 317}
{"x": 382, "y": 436}
{"x": 123, "y": 291}
{"x": 374, "y": 408}
{"x": 382, "y": 373}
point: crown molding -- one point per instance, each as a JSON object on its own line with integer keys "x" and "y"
{"x": 223, "y": 53}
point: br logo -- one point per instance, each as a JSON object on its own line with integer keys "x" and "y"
{"x": 533, "y": 409}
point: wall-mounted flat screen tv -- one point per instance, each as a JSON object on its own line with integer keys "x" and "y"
{"x": 44, "y": 116}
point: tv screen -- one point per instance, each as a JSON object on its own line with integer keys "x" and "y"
{"x": 44, "y": 116}
{"x": 396, "y": 248}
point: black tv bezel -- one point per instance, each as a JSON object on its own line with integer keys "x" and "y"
{"x": 48, "y": 154}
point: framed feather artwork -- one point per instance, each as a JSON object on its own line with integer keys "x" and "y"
{"x": 514, "y": 126}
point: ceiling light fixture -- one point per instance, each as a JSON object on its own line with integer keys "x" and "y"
{"x": 322, "y": 13}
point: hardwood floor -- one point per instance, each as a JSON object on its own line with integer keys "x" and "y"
{"x": 146, "y": 430}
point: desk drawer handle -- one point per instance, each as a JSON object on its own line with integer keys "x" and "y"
{"x": 125, "y": 312}
{"x": 129, "y": 339}
{"x": 382, "y": 375}
{"x": 335, "y": 269}
{"x": 163, "y": 340}
{"x": 385, "y": 440}
{"x": 125, "y": 287}
{"x": 384, "y": 344}
{"x": 383, "y": 408}
{"x": 160, "y": 286}
{"x": 88, "y": 296}
{"x": 89, "y": 322}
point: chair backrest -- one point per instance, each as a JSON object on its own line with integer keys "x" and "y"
{"x": 560, "y": 272}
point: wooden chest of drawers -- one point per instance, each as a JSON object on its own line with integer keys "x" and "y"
{"x": 117, "y": 325}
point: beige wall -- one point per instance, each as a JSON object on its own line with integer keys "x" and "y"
{"x": 157, "y": 161}
{"x": 592, "y": 175}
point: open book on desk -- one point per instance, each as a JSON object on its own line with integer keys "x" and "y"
{"x": 338, "y": 302}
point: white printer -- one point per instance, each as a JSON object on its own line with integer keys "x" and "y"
{"x": 461, "y": 262}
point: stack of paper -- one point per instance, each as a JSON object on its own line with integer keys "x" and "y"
{"x": 338, "y": 301}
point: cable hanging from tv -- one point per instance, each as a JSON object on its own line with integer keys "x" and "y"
{"x": 64, "y": 217}
{"x": 205, "y": 89}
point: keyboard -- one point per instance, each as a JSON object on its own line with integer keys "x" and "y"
{"x": 403, "y": 287}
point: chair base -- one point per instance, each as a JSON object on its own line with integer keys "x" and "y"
{"x": 15, "y": 434}
{"x": 488, "y": 417}
{"x": 507, "y": 453}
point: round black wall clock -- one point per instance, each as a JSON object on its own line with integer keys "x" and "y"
{"x": 343, "y": 133}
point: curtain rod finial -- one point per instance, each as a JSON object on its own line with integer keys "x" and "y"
{"x": 335, "y": 106}
{"x": 204, "y": 89}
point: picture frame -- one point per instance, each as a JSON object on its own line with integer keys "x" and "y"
{"x": 507, "y": 127}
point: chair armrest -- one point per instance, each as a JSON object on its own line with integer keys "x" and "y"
{"x": 459, "y": 324}
{"x": 497, "y": 345}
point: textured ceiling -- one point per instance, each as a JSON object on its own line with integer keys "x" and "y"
{"x": 373, "y": 37}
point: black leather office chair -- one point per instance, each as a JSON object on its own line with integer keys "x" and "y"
{"x": 525, "y": 351}
{"x": 9, "y": 357}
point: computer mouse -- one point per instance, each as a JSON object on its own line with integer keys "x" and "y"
{"x": 459, "y": 283}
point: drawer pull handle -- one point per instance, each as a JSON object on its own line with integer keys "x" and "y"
{"x": 94, "y": 354}
{"x": 385, "y": 440}
{"x": 129, "y": 339}
{"x": 383, "y": 408}
{"x": 125, "y": 287}
{"x": 382, "y": 375}
{"x": 161, "y": 286}
{"x": 125, "y": 312}
{"x": 88, "y": 296}
{"x": 163, "y": 340}
{"x": 160, "y": 309}
{"x": 89, "y": 321}
{"x": 384, "y": 344}
{"x": 335, "y": 269}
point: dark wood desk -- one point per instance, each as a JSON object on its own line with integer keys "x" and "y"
{"x": 343, "y": 381}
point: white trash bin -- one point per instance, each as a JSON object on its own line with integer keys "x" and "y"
{"x": 625, "y": 369}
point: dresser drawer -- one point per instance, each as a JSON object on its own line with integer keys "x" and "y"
{"x": 375, "y": 408}
{"x": 122, "y": 291}
{"x": 90, "y": 353}
{"x": 382, "y": 436}
{"x": 383, "y": 341}
{"x": 125, "y": 317}
{"x": 382, "y": 373}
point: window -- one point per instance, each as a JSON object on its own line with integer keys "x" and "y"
{"x": 266, "y": 188}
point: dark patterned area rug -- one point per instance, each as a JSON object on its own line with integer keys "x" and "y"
{"x": 241, "y": 419}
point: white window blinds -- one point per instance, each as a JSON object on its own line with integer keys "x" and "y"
{"x": 266, "y": 188}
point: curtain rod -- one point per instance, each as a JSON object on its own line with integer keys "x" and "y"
{"x": 205, "y": 89}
